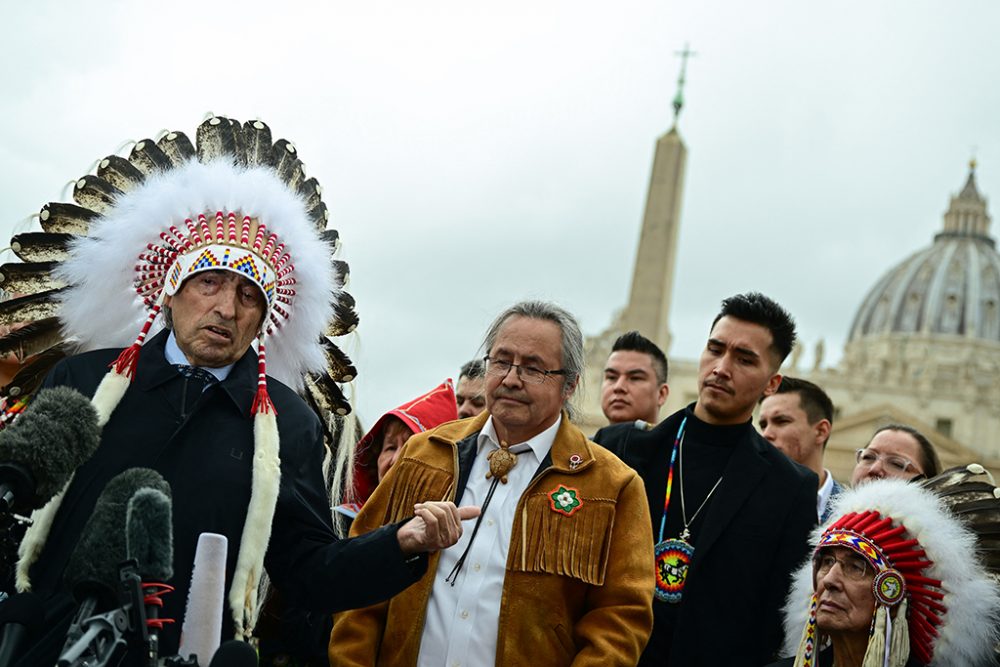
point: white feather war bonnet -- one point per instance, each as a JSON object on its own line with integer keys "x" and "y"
{"x": 933, "y": 547}
{"x": 235, "y": 201}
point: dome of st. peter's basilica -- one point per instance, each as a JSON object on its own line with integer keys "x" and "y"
{"x": 951, "y": 288}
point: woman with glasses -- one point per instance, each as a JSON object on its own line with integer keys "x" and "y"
{"x": 894, "y": 581}
{"x": 896, "y": 451}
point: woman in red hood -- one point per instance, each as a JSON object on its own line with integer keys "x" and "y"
{"x": 379, "y": 448}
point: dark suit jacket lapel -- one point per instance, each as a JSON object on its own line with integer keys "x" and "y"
{"x": 742, "y": 474}
{"x": 637, "y": 448}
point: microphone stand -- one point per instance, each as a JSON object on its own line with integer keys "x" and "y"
{"x": 93, "y": 640}
{"x": 17, "y": 487}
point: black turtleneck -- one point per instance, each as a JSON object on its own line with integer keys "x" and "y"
{"x": 706, "y": 451}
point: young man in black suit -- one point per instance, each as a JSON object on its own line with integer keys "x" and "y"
{"x": 731, "y": 514}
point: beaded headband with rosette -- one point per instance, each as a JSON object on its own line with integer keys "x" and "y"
{"x": 936, "y": 599}
{"x": 101, "y": 268}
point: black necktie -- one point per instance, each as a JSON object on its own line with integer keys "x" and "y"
{"x": 196, "y": 375}
{"x": 196, "y": 381}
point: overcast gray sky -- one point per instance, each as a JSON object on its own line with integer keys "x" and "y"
{"x": 474, "y": 154}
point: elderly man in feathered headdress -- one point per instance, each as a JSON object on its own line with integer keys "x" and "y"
{"x": 222, "y": 243}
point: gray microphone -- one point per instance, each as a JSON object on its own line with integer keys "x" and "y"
{"x": 54, "y": 435}
{"x": 92, "y": 570}
{"x": 149, "y": 534}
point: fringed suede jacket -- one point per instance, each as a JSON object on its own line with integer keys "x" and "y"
{"x": 578, "y": 587}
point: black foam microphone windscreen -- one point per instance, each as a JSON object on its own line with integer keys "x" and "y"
{"x": 234, "y": 653}
{"x": 92, "y": 570}
{"x": 57, "y": 432}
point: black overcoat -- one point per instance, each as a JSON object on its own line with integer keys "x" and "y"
{"x": 205, "y": 453}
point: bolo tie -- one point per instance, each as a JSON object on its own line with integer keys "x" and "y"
{"x": 502, "y": 460}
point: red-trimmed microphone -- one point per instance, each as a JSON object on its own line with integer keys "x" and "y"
{"x": 150, "y": 543}
{"x": 131, "y": 518}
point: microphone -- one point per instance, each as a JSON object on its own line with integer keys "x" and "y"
{"x": 149, "y": 532}
{"x": 93, "y": 573}
{"x": 202, "y": 628}
{"x": 38, "y": 452}
{"x": 234, "y": 653}
{"x": 149, "y": 538}
{"x": 92, "y": 570}
{"x": 20, "y": 615}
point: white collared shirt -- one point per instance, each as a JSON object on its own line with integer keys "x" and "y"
{"x": 175, "y": 356}
{"x": 461, "y": 624}
{"x": 823, "y": 495}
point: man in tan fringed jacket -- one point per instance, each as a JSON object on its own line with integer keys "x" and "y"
{"x": 558, "y": 570}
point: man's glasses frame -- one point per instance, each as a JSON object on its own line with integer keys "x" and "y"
{"x": 529, "y": 374}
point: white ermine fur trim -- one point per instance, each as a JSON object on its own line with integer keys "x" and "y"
{"x": 900, "y": 636}
{"x": 971, "y": 626}
{"x": 108, "y": 395}
{"x": 35, "y": 537}
{"x": 875, "y": 655}
{"x": 257, "y": 528}
{"x": 102, "y": 309}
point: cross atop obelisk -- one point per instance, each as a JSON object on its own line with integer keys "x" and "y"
{"x": 679, "y": 97}
{"x": 648, "y": 308}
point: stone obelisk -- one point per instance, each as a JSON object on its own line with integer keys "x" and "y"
{"x": 648, "y": 308}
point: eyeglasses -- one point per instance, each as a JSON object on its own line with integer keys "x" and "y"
{"x": 853, "y": 567}
{"x": 895, "y": 463}
{"x": 530, "y": 374}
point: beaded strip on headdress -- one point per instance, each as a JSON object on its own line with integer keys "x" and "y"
{"x": 808, "y": 658}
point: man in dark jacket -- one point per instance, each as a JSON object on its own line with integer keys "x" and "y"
{"x": 228, "y": 252}
{"x": 731, "y": 514}
{"x": 200, "y": 439}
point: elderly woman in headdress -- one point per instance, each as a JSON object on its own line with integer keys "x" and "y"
{"x": 896, "y": 580}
